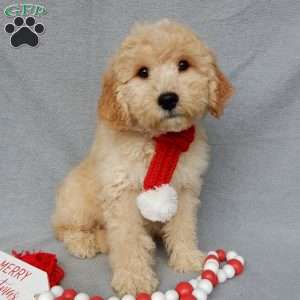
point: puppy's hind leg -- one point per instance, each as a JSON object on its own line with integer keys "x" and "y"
{"x": 78, "y": 218}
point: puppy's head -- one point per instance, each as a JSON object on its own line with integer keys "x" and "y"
{"x": 162, "y": 79}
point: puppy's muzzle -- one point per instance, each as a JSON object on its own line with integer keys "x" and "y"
{"x": 168, "y": 100}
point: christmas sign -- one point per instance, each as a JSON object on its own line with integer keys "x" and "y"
{"x": 19, "y": 280}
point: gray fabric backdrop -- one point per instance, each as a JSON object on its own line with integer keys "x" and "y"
{"x": 48, "y": 97}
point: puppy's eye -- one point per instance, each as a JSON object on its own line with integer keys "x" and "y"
{"x": 143, "y": 72}
{"x": 183, "y": 65}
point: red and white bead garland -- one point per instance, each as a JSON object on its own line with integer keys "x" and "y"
{"x": 196, "y": 289}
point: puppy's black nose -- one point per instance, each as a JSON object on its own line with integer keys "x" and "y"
{"x": 168, "y": 100}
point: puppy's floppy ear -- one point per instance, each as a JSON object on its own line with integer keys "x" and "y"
{"x": 220, "y": 90}
{"x": 110, "y": 108}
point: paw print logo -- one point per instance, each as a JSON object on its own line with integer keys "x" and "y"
{"x": 24, "y": 32}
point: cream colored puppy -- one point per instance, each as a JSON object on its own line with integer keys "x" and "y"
{"x": 96, "y": 208}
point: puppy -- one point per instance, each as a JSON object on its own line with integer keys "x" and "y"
{"x": 96, "y": 208}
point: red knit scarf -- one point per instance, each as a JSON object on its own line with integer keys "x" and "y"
{"x": 168, "y": 148}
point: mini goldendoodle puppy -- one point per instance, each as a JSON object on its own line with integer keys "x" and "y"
{"x": 163, "y": 79}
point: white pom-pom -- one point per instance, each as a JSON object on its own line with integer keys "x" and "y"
{"x": 231, "y": 254}
{"x": 229, "y": 271}
{"x": 206, "y": 286}
{"x": 221, "y": 276}
{"x": 158, "y": 204}
{"x": 158, "y": 296}
{"x": 128, "y": 297}
{"x": 199, "y": 294}
{"x": 46, "y": 296}
{"x": 214, "y": 261}
{"x": 213, "y": 266}
{"x": 241, "y": 259}
{"x": 171, "y": 295}
{"x": 212, "y": 253}
{"x": 57, "y": 291}
{"x": 194, "y": 283}
{"x": 113, "y": 298}
{"x": 82, "y": 296}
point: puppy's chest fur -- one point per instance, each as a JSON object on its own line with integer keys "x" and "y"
{"x": 123, "y": 161}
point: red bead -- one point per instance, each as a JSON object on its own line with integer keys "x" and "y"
{"x": 221, "y": 255}
{"x": 211, "y": 276}
{"x": 69, "y": 294}
{"x": 237, "y": 265}
{"x": 184, "y": 288}
{"x": 96, "y": 298}
{"x": 211, "y": 257}
{"x": 143, "y": 296}
{"x": 188, "y": 297}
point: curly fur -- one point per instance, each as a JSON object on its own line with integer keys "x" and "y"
{"x": 96, "y": 207}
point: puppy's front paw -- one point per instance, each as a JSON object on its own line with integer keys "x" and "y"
{"x": 133, "y": 281}
{"x": 81, "y": 244}
{"x": 187, "y": 261}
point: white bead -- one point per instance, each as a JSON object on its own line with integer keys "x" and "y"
{"x": 231, "y": 255}
{"x": 221, "y": 276}
{"x": 213, "y": 261}
{"x": 128, "y": 297}
{"x": 158, "y": 296}
{"x": 46, "y": 296}
{"x": 229, "y": 271}
{"x": 199, "y": 294}
{"x": 211, "y": 266}
{"x": 199, "y": 278}
{"x": 171, "y": 295}
{"x": 206, "y": 286}
{"x": 194, "y": 283}
{"x": 241, "y": 259}
{"x": 57, "y": 290}
{"x": 82, "y": 296}
{"x": 212, "y": 253}
{"x": 113, "y": 298}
